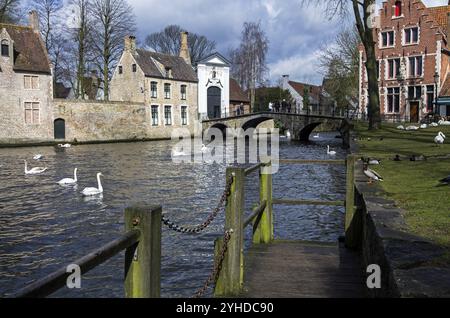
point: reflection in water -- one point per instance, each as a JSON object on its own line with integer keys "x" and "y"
{"x": 44, "y": 226}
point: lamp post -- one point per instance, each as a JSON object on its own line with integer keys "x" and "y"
{"x": 436, "y": 83}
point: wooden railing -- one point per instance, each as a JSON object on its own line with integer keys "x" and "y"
{"x": 142, "y": 245}
{"x": 231, "y": 278}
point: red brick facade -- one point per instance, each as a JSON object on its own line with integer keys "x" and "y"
{"x": 410, "y": 38}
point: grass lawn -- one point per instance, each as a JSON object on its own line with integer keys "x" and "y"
{"x": 412, "y": 185}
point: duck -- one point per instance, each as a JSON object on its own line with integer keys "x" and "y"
{"x": 87, "y": 192}
{"x": 440, "y": 138}
{"x": 64, "y": 145}
{"x": 397, "y": 158}
{"x": 371, "y": 174}
{"x": 331, "y": 153}
{"x": 444, "y": 182}
{"x": 417, "y": 158}
{"x": 38, "y": 157}
{"x": 67, "y": 181}
{"x": 371, "y": 161}
{"x": 35, "y": 170}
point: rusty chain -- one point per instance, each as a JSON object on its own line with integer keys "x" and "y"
{"x": 200, "y": 228}
{"x": 217, "y": 266}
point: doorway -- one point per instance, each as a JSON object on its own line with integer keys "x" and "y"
{"x": 414, "y": 112}
{"x": 214, "y": 102}
{"x": 60, "y": 128}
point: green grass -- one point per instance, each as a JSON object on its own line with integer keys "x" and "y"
{"x": 412, "y": 185}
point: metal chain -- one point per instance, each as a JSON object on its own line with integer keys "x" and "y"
{"x": 217, "y": 266}
{"x": 200, "y": 228}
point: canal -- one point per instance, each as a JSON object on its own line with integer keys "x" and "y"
{"x": 44, "y": 226}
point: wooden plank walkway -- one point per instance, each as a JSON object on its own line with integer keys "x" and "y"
{"x": 286, "y": 269}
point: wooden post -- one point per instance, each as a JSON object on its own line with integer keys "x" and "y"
{"x": 231, "y": 277}
{"x": 350, "y": 233}
{"x": 143, "y": 260}
{"x": 263, "y": 234}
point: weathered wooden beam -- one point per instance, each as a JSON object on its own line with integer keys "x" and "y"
{"x": 307, "y": 202}
{"x": 252, "y": 169}
{"x": 256, "y": 212}
{"x": 57, "y": 280}
{"x": 263, "y": 228}
{"x": 350, "y": 232}
{"x": 231, "y": 278}
{"x": 143, "y": 260}
{"x": 311, "y": 162}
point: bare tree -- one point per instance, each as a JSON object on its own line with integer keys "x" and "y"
{"x": 249, "y": 59}
{"x": 363, "y": 11}
{"x": 168, "y": 41}
{"x": 8, "y": 10}
{"x": 47, "y": 11}
{"x": 113, "y": 20}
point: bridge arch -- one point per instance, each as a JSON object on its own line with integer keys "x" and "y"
{"x": 253, "y": 123}
{"x": 306, "y": 131}
{"x": 220, "y": 126}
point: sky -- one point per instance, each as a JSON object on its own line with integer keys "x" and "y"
{"x": 297, "y": 34}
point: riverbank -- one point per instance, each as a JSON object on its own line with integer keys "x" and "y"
{"x": 412, "y": 185}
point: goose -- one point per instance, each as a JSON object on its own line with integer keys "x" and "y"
{"x": 94, "y": 191}
{"x": 440, "y": 139}
{"x": 371, "y": 161}
{"x": 401, "y": 127}
{"x": 444, "y": 182}
{"x": 330, "y": 153}
{"x": 64, "y": 145}
{"x": 38, "y": 157}
{"x": 67, "y": 181}
{"x": 36, "y": 170}
{"x": 371, "y": 174}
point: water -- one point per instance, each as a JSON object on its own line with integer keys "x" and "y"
{"x": 44, "y": 226}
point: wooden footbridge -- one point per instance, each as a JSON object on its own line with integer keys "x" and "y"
{"x": 270, "y": 268}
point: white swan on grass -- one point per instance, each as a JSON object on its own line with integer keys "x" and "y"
{"x": 35, "y": 170}
{"x": 423, "y": 126}
{"x": 412, "y": 128}
{"x": 440, "y": 139}
{"x": 401, "y": 127}
{"x": 434, "y": 125}
{"x": 94, "y": 191}
{"x": 331, "y": 153}
{"x": 67, "y": 181}
{"x": 64, "y": 145}
{"x": 444, "y": 123}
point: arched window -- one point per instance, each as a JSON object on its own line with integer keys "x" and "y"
{"x": 5, "y": 48}
{"x": 398, "y": 8}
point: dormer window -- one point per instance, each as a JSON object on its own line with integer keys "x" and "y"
{"x": 168, "y": 72}
{"x": 5, "y": 48}
{"x": 398, "y": 9}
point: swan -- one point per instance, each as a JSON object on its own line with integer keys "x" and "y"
{"x": 401, "y": 127}
{"x": 434, "y": 125}
{"x": 444, "y": 123}
{"x": 409, "y": 128}
{"x": 371, "y": 174}
{"x": 423, "y": 126}
{"x": 38, "y": 157}
{"x": 176, "y": 153}
{"x": 64, "y": 145}
{"x": 440, "y": 139}
{"x": 288, "y": 134}
{"x": 94, "y": 191}
{"x": 36, "y": 170}
{"x": 204, "y": 149}
{"x": 70, "y": 180}
{"x": 331, "y": 153}
{"x": 316, "y": 136}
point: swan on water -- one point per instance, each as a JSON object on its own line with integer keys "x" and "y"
{"x": 440, "y": 139}
{"x": 331, "y": 153}
{"x": 35, "y": 170}
{"x": 38, "y": 157}
{"x": 70, "y": 180}
{"x": 316, "y": 136}
{"x": 371, "y": 174}
{"x": 288, "y": 135}
{"x": 176, "y": 153}
{"x": 94, "y": 191}
{"x": 204, "y": 148}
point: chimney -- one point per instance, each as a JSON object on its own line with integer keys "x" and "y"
{"x": 184, "y": 50}
{"x": 130, "y": 44}
{"x": 34, "y": 20}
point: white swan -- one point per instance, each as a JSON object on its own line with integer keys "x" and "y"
{"x": 67, "y": 181}
{"x": 204, "y": 149}
{"x": 371, "y": 174}
{"x": 331, "y": 153}
{"x": 423, "y": 126}
{"x": 434, "y": 125}
{"x": 444, "y": 123}
{"x": 440, "y": 138}
{"x": 316, "y": 136}
{"x": 36, "y": 170}
{"x": 409, "y": 128}
{"x": 94, "y": 191}
{"x": 176, "y": 153}
{"x": 401, "y": 127}
{"x": 38, "y": 157}
{"x": 288, "y": 135}
{"x": 64, "y": 145}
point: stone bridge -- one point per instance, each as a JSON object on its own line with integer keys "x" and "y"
{"x": 300, "y": 126}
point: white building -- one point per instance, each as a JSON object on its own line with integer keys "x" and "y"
{"x": 213, "y": 87}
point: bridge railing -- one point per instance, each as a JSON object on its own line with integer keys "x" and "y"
{"x": 230, "y": 281}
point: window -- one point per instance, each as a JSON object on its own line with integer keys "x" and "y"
{"x": 155, "y": 115}
{"x": 154, "y": 89}
{"x": 398, "y": 9}
{"x": 32, "y": 113}
{"x": 414, "y": 92}
{"x": 393, "y": 100}
{"x": 412, "y": 35}
{"x": 388, "y": 39}
{"x": 184, "y": 119}
{"x": 415, "y": 66}
{"x": 134, "y": 67}
{"x": 5, "y": 48}
{"x": 430, "y": 98}
{"x": 393, "y": 68}
{"x": 168, "y": 72}
{"x": 30, "y": 82}
{"x": 183, "y": 92}
{"x": 120, "y": 69}
{"x": 167, "y": 91}
{"x": 168, "y": 115}
{"x": 378, "y": 69}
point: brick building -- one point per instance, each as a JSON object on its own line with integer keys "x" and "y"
{"x": 411, "y": 59}
{"x": 239, "y": 101}
{"x": 26, "y": 90}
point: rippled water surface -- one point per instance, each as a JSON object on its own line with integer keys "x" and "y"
{"x": 44, "y": 226}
